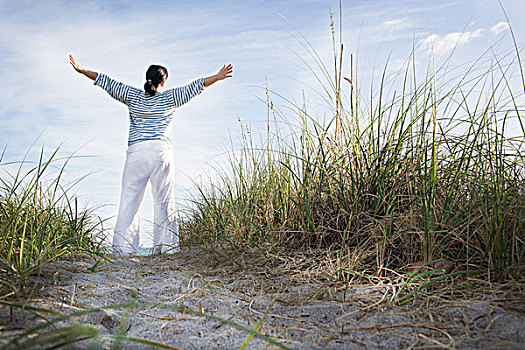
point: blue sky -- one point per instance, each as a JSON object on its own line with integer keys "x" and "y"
{"x": 44, "y": 100}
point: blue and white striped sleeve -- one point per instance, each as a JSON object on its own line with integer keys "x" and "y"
{"x": 115, "y": 89}
{"x": 183, "y": 94}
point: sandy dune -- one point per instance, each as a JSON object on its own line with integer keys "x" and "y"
{"x": 190, "y": 300}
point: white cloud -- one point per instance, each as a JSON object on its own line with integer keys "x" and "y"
{"x": 401, "y": 65}
{"x": 500, "y": 27}
{"x": 440, "y": 45}
{"x": 396, "y": 24}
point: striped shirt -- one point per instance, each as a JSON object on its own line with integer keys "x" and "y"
{"x": 149, "y": 116}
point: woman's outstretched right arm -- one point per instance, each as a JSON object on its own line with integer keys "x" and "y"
{"x": 224, "y": 72}
{"x": 88, "y": 73}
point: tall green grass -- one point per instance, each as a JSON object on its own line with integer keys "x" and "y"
{"x": 40, "y": 221}
{"x": 427, "y": 171}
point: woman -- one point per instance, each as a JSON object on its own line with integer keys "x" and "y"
{"x": 149, "y": 156}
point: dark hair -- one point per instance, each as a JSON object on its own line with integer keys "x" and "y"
{"x": 155, "y": 75}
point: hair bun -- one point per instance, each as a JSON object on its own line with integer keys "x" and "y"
{"x": 149, "y": 87}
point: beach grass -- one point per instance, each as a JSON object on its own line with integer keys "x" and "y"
{"x": 421, "y": 170}
{"x": 40, "y": 221}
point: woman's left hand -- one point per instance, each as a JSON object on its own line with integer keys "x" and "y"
{"x": 76, "y": 65}
{"x": 88, "y": 73}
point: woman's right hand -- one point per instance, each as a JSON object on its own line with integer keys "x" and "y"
{"x": 225, "y": 72}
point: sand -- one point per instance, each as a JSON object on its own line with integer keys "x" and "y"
{"x": 190, "y": 300}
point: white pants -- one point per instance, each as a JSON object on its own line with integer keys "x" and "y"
{"x": 147, "y": 160}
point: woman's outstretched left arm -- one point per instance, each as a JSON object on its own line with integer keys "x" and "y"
{"x": 115, "y": 89}
{"x": 88, "y": 73}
